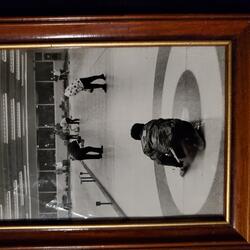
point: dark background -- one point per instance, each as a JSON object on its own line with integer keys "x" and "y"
{"x": 119, "y": 7}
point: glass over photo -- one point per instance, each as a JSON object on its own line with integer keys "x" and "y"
{"x": 112, "y": 132}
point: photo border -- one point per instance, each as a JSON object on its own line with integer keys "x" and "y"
{"x": 233, "y": 231}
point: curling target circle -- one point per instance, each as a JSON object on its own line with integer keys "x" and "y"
{"x": 193, "y": 90}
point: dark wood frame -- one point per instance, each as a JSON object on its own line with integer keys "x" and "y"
{"x": 232, "y": 235}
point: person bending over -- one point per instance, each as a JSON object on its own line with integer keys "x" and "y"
{"x": 168, "y": 141}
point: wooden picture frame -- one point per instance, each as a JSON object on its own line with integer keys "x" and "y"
{"x": 229, "y": 232}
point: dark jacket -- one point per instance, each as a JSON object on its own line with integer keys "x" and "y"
{"x": 74, "y": 149}
{"x": 157, "y": 137}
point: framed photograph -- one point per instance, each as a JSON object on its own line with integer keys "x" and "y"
{"x": 125, "y": 132}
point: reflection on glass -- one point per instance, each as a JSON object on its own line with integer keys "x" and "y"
{"x": 47, "y": 202}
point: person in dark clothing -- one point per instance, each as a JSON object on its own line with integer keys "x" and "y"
{"x": 79, "y": 152}
{"x": 87, "y": 82}
{"x": 168, "y": 141}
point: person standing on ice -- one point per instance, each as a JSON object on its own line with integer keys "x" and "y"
{"x": 79, "y": 152}
{"x": 168, "y": 141}
{"x": 59, "y": 74}
{"x": 66, "y": 121}
{"x": 85, "y": 84}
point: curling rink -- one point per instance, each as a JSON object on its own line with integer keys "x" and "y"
{"x": 146, "y": 83}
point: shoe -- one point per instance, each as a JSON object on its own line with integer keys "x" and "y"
{"x": 79, "y": 139}
{"x": 199, "y": 128}
{"x": 82, "y": 144}
{"x": 183, "y": 170}
{"x": 104, "y": 87}
{"x": 103, "y": 77}
{"x": 201, "y": 140}
{"x": 101, "y": 149}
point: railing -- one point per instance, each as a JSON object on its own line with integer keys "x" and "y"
{"x": 105, "y": 192}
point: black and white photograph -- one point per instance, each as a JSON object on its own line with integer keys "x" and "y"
{"x": 114, "y": 131}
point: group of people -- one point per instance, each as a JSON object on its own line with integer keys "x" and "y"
{"x": 171, "y": 142}
{"x": 74, "y": 142}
